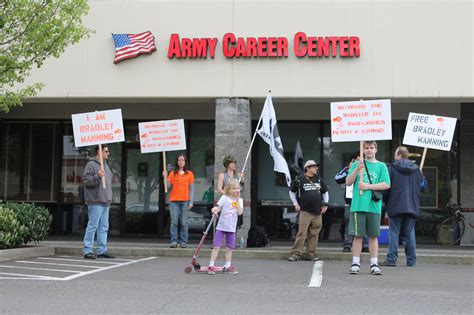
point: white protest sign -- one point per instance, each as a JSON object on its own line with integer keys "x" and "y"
{"x": 429, "y": 131}
{"x": 99, "y": 127}
{"x": 162, "y": 136}
{"x": 361, "y": 121}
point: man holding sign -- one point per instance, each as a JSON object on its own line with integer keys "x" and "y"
{"x": 98, "y": 200}
{"x": 365, "y": 208}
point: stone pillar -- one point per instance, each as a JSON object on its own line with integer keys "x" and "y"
{"x": 466, "y": 169}
{"x": 233, "y": 136}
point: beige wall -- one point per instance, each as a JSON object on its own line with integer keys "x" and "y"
{"x": 409, "y": 49}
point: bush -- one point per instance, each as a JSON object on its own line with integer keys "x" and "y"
{"x": 12, "y": 232}
{"x": 26, "y": 221}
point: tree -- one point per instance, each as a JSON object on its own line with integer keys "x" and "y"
{"x": 30, "y": 32}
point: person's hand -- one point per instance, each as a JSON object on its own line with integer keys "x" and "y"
{"x": 242, "y": 176}
{"x": 190, "y": 206}
{"x": 324, "y": 209}
{"x": 360, "y": 165}
{"x": 101, "y": 173}
{"x": 363, "y": 186}
{"x": 215, "y": 211}
{"x": 165, "y": 173}
{"x": 297, "y": 208}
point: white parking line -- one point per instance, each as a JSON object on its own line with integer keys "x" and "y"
{"x": 83, "y": 260}
{"x": 55, "y": 264}
{"x": 317, "y": 277}
{"x": 77, "y": 274}
{"x": 105, "y": 268}
{"x": 45, "y": 269}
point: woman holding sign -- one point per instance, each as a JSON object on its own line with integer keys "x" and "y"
{"x": 181, "y": 195}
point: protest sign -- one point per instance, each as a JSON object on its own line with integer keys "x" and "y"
{"x": 429, "y": 132}
{"x": 97, "y": 128}
{"x": 162, "y": 136}
{"x": 361, "y": 121}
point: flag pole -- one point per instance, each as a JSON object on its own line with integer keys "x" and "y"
{"x": 255, "y": 133}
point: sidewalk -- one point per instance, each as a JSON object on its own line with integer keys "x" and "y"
{"x": 435, "y": 254}
{"x": 275, "y": 250}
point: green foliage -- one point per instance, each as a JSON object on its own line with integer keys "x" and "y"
{"x": 12, "y": 232}
{"x": 30, "y": 32}
{"x": 36, "y": 218}
{"x": 21, "y": 223}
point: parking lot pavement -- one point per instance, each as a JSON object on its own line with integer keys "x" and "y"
{"x": 262, "y": 287}
{"x": 59, "y": 268}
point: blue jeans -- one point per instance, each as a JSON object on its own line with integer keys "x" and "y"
{"x": 179, "y": 213}
{"x": 98, "y": 222}
{"x": 404, "y": 224}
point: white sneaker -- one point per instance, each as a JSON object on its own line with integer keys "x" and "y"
{"x": 375, "y": 270}
{"x": 355, "y": 268}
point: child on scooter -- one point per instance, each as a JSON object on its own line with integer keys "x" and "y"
{"x": 229, "y": 207}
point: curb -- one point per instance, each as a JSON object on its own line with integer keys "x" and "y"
{"x": 266, "y": 254}
{"x": 25, "y": 253}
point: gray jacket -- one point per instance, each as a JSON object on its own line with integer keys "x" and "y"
{"x": 94, "y": 194}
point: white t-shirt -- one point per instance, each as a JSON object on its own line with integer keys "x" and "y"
{"x": 228, "y": 215}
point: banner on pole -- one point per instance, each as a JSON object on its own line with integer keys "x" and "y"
{"x": 162, "y": 136}
{"x": 361, "y": 121}
{"x": 99, "y": 127}
{"x": 429, "y": 131}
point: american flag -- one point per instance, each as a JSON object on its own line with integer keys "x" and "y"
{"x": 132, "y": 45}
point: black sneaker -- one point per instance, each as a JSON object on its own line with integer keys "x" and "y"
{"x": 90, "y": 256}
{"x": 293, "y": 258}
{"x": 346, "y": 249}
{"x": 173, "y": 245}
{"x": 106, "y": 255}
{"x": 182, "y": 245}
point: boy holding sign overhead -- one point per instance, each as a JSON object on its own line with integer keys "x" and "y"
{"x": 365, "y": 208}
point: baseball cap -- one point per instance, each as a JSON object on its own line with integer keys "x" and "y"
{"x": 310, "y": 163}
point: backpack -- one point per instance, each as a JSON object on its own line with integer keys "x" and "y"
{"x": 257, "y": 236}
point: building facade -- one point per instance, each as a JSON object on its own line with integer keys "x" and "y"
{"x": 214, "y": 64}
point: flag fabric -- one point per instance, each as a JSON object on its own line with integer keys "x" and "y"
{"x": 269, "y": 133}
{"x": 299, "y": 158}
{"x": 131, "y": 45}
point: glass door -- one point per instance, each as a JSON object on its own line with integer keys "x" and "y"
{"x": 142, "y": 192}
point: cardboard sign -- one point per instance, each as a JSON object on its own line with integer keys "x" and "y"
{"x": 162, "y": 136}
{"x": 429, "y": 131}
{"x": 98, "y": 128}
{"x": 361, "y": 120}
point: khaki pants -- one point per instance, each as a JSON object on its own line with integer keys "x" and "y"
{"x": 312, "y": 224}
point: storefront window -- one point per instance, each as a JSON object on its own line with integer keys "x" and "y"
{"x": 272, "y": 186}
{"x": 29, "y": 164}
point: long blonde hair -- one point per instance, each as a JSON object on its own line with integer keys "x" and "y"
{"x": 231, "y": 184}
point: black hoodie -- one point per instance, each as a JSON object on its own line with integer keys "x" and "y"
{"x": 407, "y": 182}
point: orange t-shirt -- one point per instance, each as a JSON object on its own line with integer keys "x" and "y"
{"x": 180, "y": 185}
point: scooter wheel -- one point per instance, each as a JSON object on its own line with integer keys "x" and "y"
{"x": 188, "y": 269}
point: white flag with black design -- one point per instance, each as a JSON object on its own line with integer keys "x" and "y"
{"x": 269, "y": 132}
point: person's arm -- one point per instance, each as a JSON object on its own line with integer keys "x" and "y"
{"x": 90, "y": 178}
{"x": 356, "y": 166}
{"x": 340, "y": 177}
{"x": 383, "y": 184}
{"x": 191, "y": 195}
{"x": 220, "y": 184}
{"x": 423, "y": 183}
{"x": 293, "y": 189}
{"x": 240, "y": 206}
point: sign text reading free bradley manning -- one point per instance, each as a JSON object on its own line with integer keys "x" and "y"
{"x": 428, "y": 131}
